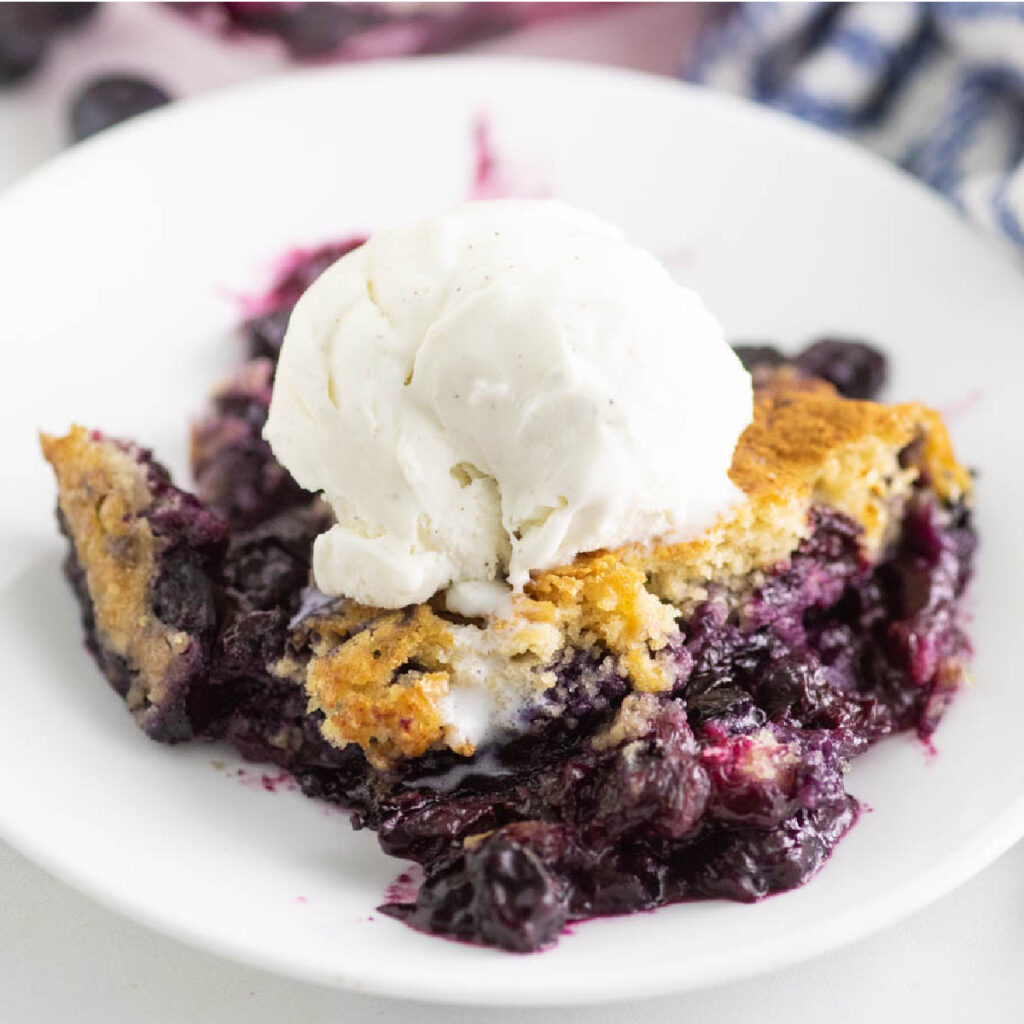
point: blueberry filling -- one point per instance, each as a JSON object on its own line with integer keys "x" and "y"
{"x": 27, "y": 30}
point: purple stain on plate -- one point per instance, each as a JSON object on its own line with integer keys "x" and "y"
{"x": 406, "y": 886}
{"x": 487, "y": 180}
{"x": 960, "y": 407}
{"x": 273, "y": 783}
{"x": 492, "y": 175}
{"x": 268, "y": 782}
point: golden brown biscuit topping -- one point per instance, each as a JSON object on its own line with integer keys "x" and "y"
{"x": 103, "y": 490}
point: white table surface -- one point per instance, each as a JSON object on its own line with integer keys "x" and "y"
{"x": 64, "y": 958}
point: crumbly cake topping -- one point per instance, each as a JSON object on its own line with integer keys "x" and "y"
{"x": 806, "y": 446}
{"x": 632, "y": 720}
{"x": 602, "y": 600}
{"x": 368, "y": 689}
{"x": 103, "y": 493}
{"x": 381, "y": 678}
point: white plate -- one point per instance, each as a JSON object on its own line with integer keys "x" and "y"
{"x": 116, "y": 261}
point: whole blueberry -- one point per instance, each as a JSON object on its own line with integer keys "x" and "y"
{"x": 24, "y": 36}
{"x": 520, "y": 902}
{"x": 725, "y": 702}
{"x": 265, "y": 333}
{"x": 109, "y": 100}
{"x": 747, "y": 864}
{"x": 794, "y": 684}
{"x": 264, "y": 573}
{"x": 854, "y": 369}
{"x": 307, "y": 266}
{"x": 313, "y": 30}
{"x": 252, "y": 642}
{"x": 26, "y": 30}
{"x": 182, "y": 594}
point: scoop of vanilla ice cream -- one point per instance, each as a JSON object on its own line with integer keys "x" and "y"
{"x": 495, "y": 390}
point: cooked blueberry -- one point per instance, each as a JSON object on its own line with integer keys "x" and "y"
{"x": 723, "y": 656}
{"x": 504, "y": 890}
{"x": 183, "y": 593}
{"x": 181, "y": 519}
{"x": 24, "y": 34}
{"x": 265, "y": 574}
{"x": 730, "y": 703}
{"x": 235, "y": 471}
{"x": 748, "y": 864}
{"x": 855, "y": 369}
{"x": 252, "y": 642}
{"x": 422, "y": 827}
{"x": 790, "y": 684}
{"x": 654, "y": 790}
{"x": 266, "y": 333}
{"x": 26, "y": 30}
{"x": 521, "y": 902}
{"x": 308, "y": 267}
{"x": 108, "y": 101}
{"x": 311, "y": 30}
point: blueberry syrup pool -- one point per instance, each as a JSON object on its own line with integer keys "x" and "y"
{"x": 729, "y": 786}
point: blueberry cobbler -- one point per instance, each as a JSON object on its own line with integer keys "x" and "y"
{"x": 494, "y": 542}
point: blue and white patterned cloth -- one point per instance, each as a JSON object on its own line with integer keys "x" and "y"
{"x": 937, "y": 88}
